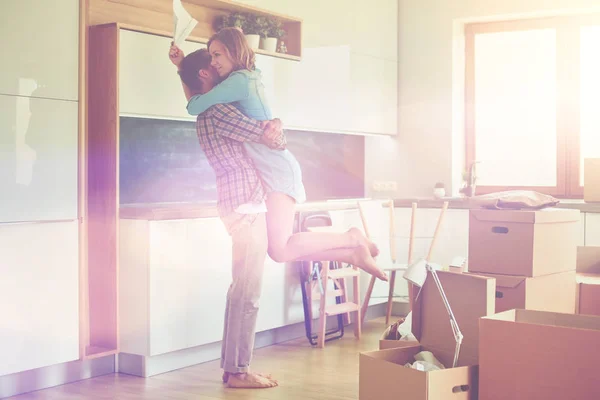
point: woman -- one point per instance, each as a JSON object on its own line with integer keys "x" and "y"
{"x": 279, "y": 170}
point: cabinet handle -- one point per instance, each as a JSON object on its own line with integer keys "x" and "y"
{"x": 500, "y": 229}
{"x": 499, "y": 295}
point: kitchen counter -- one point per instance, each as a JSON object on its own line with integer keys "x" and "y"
{"x": 459, "y": 203}
{"x": 209, "y": 210}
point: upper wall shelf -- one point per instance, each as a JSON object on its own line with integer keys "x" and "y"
{"x": 156, "y": 17}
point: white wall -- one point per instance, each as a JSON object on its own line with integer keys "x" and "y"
{"x": 422, "y": 154}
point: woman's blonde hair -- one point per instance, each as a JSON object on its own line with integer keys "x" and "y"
{"x": 236, "y": 46}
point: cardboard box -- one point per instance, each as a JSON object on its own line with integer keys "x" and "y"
{"x": 523, "y": 242}
{"x": 591, "y": 180}
{"x": 588, "y": 294}
{"x": 588, "y": 280}
{"x": 555, "y": 293}
{"x": 392, "y": 344}
{"x": 536, "y": 355}
{"x": 383, "y": 375}
{"x": 588, "y": 259}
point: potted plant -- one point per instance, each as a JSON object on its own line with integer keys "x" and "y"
{"x": 272, "y": 31}
{"x": 252, "y": 27}
{"x": 469, "y": 177}
{"x": 236, "y": 20}
{"x": 246, "y": 22}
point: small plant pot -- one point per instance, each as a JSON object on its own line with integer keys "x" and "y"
{"x": 269, "y": 44}
{"x": 253, "y": 41}
{"x": 439, "y": 192}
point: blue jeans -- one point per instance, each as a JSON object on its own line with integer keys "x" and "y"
{"x": 249, "y": 247}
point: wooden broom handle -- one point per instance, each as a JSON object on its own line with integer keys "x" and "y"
{"x": 437, "y": 230}
{"x": 411, "y": 237}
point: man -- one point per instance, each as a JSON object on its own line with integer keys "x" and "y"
{"x": 221, "y": 131}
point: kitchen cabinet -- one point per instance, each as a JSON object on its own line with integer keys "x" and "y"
{"x": 39, "y": 295}
{"x": 40, "y": 42}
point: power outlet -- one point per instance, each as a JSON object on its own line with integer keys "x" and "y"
{"x": 386, "y": 186}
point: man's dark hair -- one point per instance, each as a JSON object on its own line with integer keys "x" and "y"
{"x": 191, "y": 65}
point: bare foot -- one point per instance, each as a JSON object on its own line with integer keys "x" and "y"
{"x": 250, "y": 381}
{"x": 226, "y": 376}
{"x": 363, "y": 260}
{"x": 359, "y": 238}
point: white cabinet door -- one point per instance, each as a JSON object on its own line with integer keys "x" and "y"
{"x": 38, "y": 159}
{"x": 453, "y": 239}
{"x": 39, "y": 295}
{"x": 169, "y": 281}
{"x": 149, "y": 85}
{"x": 314, "y": 94}
{"x": 592, "y": 229}
{"x": 269, "y": 67}
{"x": 374, "y": 94}
{"x": 40, "y": 44}
{"x": 208, "y": 249}
{"x": 190, "y": 272}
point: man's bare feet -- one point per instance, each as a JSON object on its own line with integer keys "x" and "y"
{"x": 226, "y": 376}
{"x": 363, "y": 260}
{"x": 360, "y": 238}
{"x": 250, "y": 381}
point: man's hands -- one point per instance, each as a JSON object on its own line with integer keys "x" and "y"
{"x": 273, "y": 134}
{"x": 176, "y": 55}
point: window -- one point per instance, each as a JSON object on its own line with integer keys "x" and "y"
{"x": 532, "y": 100}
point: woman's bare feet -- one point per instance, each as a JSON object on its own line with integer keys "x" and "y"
{"x": 360, "y": 238}
{"x": 250, "y": 380}
{"x": 363, "y": 260}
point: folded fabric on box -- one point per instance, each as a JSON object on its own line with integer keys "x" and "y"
{"x": 513, "y": 200}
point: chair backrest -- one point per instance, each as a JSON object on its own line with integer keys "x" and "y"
{"x": 377, "y": 227}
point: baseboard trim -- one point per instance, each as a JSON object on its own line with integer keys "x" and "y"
{"x": 54, "y": 375}
{"x": 146, "y": 366}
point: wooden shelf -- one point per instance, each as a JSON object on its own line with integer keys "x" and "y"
{"x": 156, "y": 17}
{"x": 198, "y": 39}
{"x": 232, "y": 6}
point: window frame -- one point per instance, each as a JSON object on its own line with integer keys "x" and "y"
{"x": 568, "y": 80}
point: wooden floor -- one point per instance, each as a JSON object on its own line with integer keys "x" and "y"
{"x": 303, "y": 373}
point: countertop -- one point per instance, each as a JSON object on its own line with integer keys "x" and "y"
{"x": 209, "y": 210}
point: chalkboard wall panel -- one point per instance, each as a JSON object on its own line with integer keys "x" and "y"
{"x": 161, "y": 162}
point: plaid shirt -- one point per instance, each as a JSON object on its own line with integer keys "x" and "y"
{"x": 221, "y": 130}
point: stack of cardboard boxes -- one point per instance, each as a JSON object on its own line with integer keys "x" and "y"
{"x": 516, "y": 309}
{"x": 532, "y": 255}
{"x": 534, "y": 347}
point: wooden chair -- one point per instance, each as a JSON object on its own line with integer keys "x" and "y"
{"x": 384, "y": 235}
{"x": 325, "y": 292}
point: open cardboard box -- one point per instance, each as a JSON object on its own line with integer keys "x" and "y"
{"x": 555, "y": 292}
{"x": 531, "y": 355}
{"x": 523, "y": 242}
{"x": 382, "y": 374}
{"x": 385, "y": 344}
